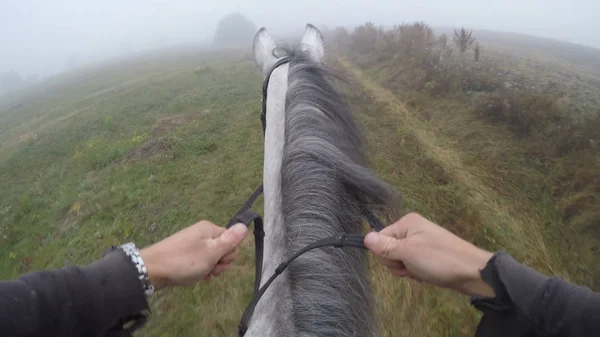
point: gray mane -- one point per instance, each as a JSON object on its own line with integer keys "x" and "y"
{"x": 324, "y": 185}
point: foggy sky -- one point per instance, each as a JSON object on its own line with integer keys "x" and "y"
{"x": 39, "y": 36}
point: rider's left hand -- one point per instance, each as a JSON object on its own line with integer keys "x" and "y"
{"x": 193, "y": 254}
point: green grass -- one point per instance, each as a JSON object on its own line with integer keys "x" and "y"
{"x": 103, "y": 177}
{"x": 137, "y": 150}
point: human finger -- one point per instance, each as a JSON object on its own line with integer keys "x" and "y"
{"x": 384, "y": 246}
{"x": 219, "y": 269}
{"x": 229, "y": 257}
{"x": 400, "y": 272}
{"x": 399, "y": 229}
{"x": 392, "y": 264}
{"x": 228, "y": 241}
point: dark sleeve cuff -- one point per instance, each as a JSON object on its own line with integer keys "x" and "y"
{"x": 118, "y": 293}
{"x": 73, "y": 301}
{"x": 517, "y": 288}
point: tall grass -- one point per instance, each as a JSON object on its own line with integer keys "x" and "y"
{"x": 523, "y": 136}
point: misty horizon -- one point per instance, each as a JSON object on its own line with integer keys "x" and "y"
{"x": 39, "y": 38}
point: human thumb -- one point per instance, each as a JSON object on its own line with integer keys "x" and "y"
{"x": 230, "y": 239}
{"x": 385, "y": 246}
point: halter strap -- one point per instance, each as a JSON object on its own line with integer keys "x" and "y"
{"x": 263, "y": 113}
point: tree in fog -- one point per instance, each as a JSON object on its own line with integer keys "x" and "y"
{"x": 365, "y": 38}
{"x": 444, "y": 50}
{"x": 339, "y": 36}
{"x": 234, "y": 30}
{"x": 443, "y": 41}
{"x": 9, "y": 80}
{"x": 463, "y": 39}
{"x": 477, "y": 51}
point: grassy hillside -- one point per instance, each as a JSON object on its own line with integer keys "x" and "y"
{"x": 136, "y": 150}
{"x": 570, "y": 72}
{"x": 577, "y": 55}
{"x": 502, "y": 151}
{"x": 133, "y": 153}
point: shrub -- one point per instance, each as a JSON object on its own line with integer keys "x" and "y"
{"x": 339, "y": 38}
{"x": 463, "y": 39}
{"x": 365, "y": 38}
{"x": 522, "y": 112}
{"x": 419, "y": 59}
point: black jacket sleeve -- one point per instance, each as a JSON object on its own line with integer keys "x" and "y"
{"x": 530, "y": 304}
{"x": 74, "y": 301}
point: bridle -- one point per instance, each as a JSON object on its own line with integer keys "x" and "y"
{"x": 265, "y": 86}
{"x": 246, "y": 216}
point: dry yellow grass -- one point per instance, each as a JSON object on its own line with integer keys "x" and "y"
{"x": 526, "y": 234}
{"x": 496, "y": 214}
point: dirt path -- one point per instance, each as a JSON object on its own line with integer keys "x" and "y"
{"x": 505, "y": 212}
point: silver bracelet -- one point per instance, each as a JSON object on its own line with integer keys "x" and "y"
{"x": 134, "y": 254}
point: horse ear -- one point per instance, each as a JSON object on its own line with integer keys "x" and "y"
{"x": 263, "y": 50}
{"x": 312, "y": 42}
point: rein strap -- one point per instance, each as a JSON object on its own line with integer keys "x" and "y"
{"x": 246, "y": 216}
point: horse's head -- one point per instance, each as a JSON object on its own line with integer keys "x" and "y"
{"x": 315, "y": 186}
{"x": 266, "y": 51}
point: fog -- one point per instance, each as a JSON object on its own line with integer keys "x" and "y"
{"x": 40, "y": 37}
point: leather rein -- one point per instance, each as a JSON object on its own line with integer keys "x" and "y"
{"x": 246, "y": 216}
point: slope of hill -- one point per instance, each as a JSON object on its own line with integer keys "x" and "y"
{"x": 133, "y": 153}
{"x": 576, "y": 55}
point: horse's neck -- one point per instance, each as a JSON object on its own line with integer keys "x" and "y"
{"x": 272, "y": 316}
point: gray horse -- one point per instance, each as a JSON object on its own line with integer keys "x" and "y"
{"x": 315, "y": 186}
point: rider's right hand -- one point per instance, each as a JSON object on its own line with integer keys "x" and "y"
{"x": 417, "y": 248}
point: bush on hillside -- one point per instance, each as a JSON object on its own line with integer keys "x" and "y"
{"x": 417, "y": 58}
{"x": 364, "y": 38}
{"x": 463, "y": 39}
{"x": 339, "y": 38}
{"x": 536, "y": 114}
{"x": 523, "y": 112}
{"x": 234, "y": 30}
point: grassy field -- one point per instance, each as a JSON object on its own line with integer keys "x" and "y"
{"x": 438, "y": 173}
{"x": 508, "y": 182}
{"x": 137, "y": 150}
{"x": 136, "y": 154}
